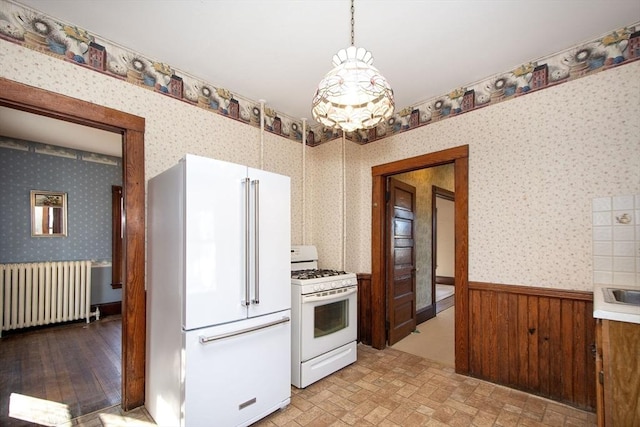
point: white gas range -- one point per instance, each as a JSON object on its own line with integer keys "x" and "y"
{"x": 323, "y": 318}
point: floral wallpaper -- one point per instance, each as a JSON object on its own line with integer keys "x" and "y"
{"x": 19, "y": 24}
{"x": 532, "y": 178}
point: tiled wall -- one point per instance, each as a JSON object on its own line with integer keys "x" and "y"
{"x": 616, "y": 240}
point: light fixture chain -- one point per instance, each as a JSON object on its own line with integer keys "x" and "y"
{"x": 353, "y": 22}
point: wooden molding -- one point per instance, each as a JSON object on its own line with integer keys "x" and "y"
{"x": 40, "y": 101}
{"x": 532, "y": 291}
{"x": 425, "y": 313}
{"x": 364, "y": 308}
{"x": 109, "y": 308}
{"x": 445, "y": 280}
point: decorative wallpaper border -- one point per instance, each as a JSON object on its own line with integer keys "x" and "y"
{"x": 31, "y": 29}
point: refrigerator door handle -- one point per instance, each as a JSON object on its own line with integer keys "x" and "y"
{"x": 247, "y": 241}
{"x": 206, "y": 340}
{"x": 256, "y": 227}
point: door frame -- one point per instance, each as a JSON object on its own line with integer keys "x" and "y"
{"x": 460, "y": 157}
{"x": 437, "y": 192}
{"x": 39, "y": 101}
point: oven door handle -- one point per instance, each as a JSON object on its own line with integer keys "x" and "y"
{"x": 315, "y": 298}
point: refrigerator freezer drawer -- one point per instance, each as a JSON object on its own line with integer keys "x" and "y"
{"x": 321, "y": 366}
{"x": 237, "y": 373}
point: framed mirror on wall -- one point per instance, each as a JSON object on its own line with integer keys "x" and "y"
{"x": 48, "y": 214}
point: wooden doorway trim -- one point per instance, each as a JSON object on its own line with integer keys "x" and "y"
{"x": 460, "y": 157}
{"x": 50, "y": 104}
{"x": 437, "y": 192}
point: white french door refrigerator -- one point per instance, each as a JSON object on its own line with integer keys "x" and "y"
{"x": 218, "y": 294}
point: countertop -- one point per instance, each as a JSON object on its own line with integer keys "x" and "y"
{"x": 620, "y": 312}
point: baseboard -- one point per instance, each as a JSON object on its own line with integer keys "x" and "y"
{"x": 426, "y": 313}
{"x": 109, "y": 308}
{"x": 445, "y": 280}
{"x": 445, "y": 303}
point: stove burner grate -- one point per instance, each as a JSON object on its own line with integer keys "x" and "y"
{"x": 315, "y": 274}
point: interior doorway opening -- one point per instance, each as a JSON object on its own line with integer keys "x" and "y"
{"x": 39, "y": 101}
{"x": 431, "y": 244}
{"x": 443, "y": 247}
{"x": 459, "y": 158}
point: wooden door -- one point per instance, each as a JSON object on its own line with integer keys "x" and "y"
{"x": 401, "y": 277}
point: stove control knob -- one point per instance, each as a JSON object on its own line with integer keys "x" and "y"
{"x": 333, "y": 285}
{"x": 316, "y": 287}
{"x": 345, "y": 283}
{"x": 322, "y": 286}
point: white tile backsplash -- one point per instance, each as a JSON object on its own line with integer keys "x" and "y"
{"x": 624, "y": 279}
{"x": 623, "y": 248}
{"x": 623, "y": 233}
{"x": 602, "y": 248}
{"x": 602, "y": 233}
{"x": 601, "y": 204}
{"x": 624, "y": 264}
{"x": 602, "y": 218}
{"x": 603, "y": 263}
{"x": 623, "y": 218}
{"x": 623, "y": 202}
{"x": 603, "y": 277}
{"x": 616, "y": 240}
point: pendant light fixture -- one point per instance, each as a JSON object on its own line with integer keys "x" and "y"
{"x": 353, "y": 95}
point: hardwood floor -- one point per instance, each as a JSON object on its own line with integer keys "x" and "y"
{"x": 77, "y": 365}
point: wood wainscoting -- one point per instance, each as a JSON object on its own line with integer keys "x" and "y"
{"x": 364, "y": 308}
{"x": 539, "y": 340}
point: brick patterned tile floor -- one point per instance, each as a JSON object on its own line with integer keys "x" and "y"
{"x": 392, "y": 388}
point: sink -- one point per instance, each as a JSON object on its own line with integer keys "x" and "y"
{"x": 621, "y": 296}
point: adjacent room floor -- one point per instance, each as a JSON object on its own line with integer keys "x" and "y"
{"x": 51, "y": 374}
{"x": 433, "y": 339}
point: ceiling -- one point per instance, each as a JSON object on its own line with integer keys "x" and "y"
{"x": 31, "y": 127}
{"x": 278, "y": 50}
